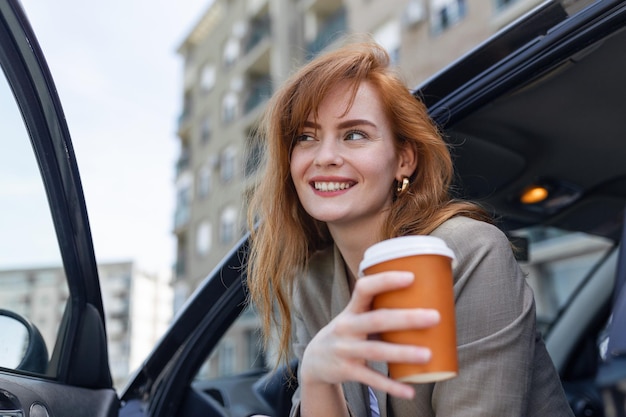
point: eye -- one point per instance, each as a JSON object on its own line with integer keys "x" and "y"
{"x": 304, "y": 137}
{"x": 355, "y": 135}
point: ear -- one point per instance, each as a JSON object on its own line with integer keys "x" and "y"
{"x": 407, "y": 162}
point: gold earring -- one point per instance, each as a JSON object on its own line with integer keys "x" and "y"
{"x": 402, "y": 186}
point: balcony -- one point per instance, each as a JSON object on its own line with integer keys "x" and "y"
{"x": 259, "y": 91}
{"x": 181, "y": 216}
{"x": 182, "y": 120}
{"x": 260, "y": 28}
{"x": 256, "y": 59}
{"x": 185, "y": 117}
{"x": 183, "y": 163}
{"x": 180, "y": 267}
{"x": 329, "y": 30}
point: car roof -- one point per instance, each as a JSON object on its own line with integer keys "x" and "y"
{"x": 550, "y": 112}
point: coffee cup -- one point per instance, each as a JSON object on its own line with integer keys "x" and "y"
{"x": 430, "y": 260}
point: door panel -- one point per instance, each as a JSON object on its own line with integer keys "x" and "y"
{"x": 59, "y": 400}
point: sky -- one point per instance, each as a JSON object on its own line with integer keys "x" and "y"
{"x": 119, "y": 79}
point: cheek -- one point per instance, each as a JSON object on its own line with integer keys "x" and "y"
{"x": 383, "y": 165}
{"x": 297, "y": 165}
{"x": 295, "y": 169}
{"x": 293, "y": 163}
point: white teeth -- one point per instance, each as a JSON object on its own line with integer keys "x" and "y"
{"x": 331, "y": 186}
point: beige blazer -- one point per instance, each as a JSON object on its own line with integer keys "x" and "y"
{"x": 504, "y": 368}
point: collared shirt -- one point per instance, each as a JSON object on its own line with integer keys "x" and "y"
{"x": 373, "y": 403}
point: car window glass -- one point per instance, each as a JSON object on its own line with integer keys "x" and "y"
{"x": 239, "y": 350}
{"x": 32, "y": 279}
{"x": 559, "y": 261}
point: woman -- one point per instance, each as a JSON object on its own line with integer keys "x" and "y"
{"x": 352, "y": 158}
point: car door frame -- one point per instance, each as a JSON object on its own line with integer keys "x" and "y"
{"x": 78, "y": 381}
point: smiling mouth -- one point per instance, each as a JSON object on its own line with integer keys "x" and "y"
{"x": 331, "y": 186}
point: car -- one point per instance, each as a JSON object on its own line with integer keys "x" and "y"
{"x": 536, "y": 122}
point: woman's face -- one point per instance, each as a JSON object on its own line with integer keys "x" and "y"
{"x": 344, "y": 166}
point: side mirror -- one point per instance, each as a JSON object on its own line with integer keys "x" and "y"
{"x": 21, "y": 345}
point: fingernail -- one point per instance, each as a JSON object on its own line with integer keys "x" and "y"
{"x": 407, "y": 393}
{"x": 424, "y": 354}
{"x": 432, "y": 315}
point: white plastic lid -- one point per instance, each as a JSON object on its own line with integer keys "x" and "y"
{"x": 400, "y": 247}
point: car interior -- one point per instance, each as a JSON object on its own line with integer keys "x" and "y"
{"x": 562, "y": 130}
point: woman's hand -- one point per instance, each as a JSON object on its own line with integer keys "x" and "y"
{"x": 340, "y": 351}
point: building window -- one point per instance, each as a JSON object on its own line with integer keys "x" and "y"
{"x": 259, "y": 90}
{"x": 256, "y": 357}
{"x": 184, "y": 161}
{"x": 259, "y": 29}
{"x": 323, "y": 28}
{"x": 205, "y": 129}
{"x": 207, "y": 79}
{"x": 228, "y": 225}
{"x": 414, "y": 13}
{"x": 204, "y": 182}
{"x": 227, "y": 164}
{"x": 181, "y": 292}
{"x": 229, "y": 107}
{"x": 445, "y": 13}
{"x": 183, "y": 199}
{"x": 231, "y": 52}
{"x": 187, "y": 109}
{"x": 226, "y": 360}
{"x": 203, "y": 238}
{"x": 388, "y": 36}
{"x": 503, "y": 4}
{"x": 181, "y": 265}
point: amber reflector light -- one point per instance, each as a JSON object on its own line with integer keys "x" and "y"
{"x": 534, "y": 194}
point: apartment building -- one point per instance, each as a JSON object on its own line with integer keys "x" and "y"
{"x": 236, "y": 55}
{"x": 137, "y": 305}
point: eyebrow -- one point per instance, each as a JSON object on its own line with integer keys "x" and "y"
{"x": 342, "y": 125}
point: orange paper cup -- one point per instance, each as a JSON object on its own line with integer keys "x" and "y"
{"x": 430, "y": 260}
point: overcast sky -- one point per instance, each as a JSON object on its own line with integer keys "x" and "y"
{"x": 119, "y": 78}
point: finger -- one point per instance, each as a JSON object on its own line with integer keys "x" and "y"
{"x": 369, "y": 286}
{"x": 379, "y": 351}
{"x": 384, "y": 320}
{"x": 378, "y": 381}
{"x": 393, "y": 388}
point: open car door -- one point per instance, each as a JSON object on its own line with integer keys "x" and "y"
{"x": 53, "y": 360}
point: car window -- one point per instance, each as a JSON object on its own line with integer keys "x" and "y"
{"x": 239, "y": 350}
{"x": 32, "y": 281}
{"x": 559, "y": 262}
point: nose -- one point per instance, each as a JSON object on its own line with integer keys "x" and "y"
{"x": 328, "y": 152}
